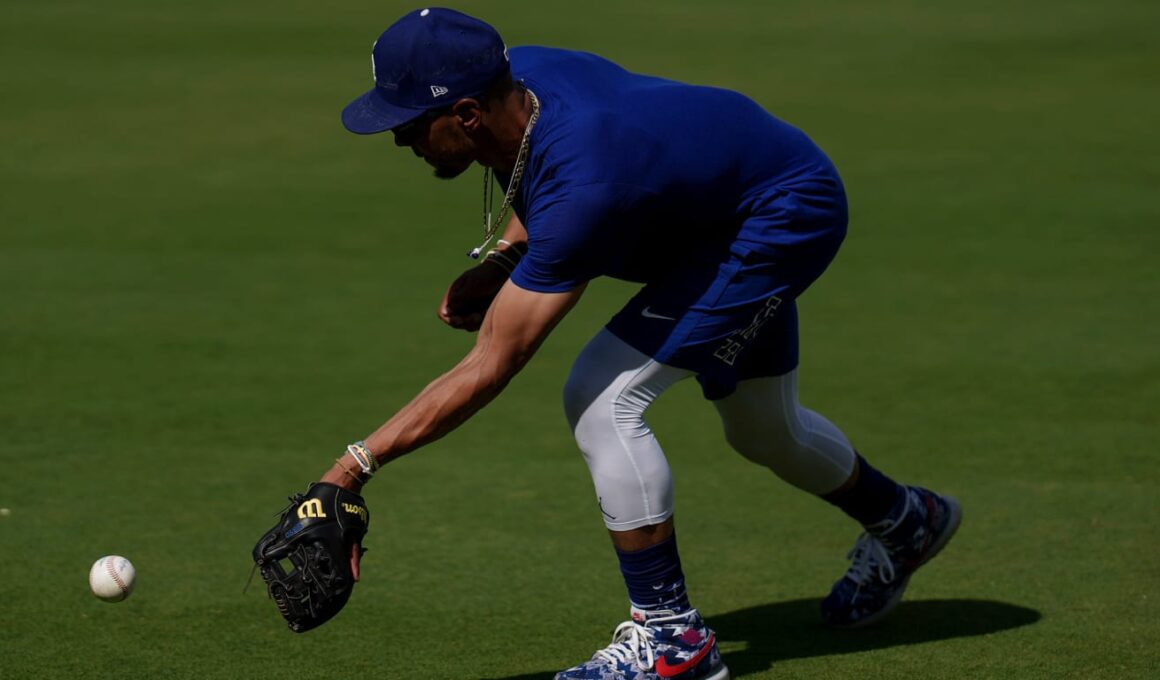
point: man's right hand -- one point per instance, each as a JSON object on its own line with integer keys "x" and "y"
{"x": 469, "y": 296}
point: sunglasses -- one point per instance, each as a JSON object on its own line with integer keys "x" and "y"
{"x": 408, "y": 132}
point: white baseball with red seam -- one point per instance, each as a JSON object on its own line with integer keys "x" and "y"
{"x": 111, "y": 578}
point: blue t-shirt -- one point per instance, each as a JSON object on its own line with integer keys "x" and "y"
{"x": 635, "y": 177}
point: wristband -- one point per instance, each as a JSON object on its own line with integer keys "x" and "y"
{"x": 503, "y": 259}
{"x": 510, "y": 249}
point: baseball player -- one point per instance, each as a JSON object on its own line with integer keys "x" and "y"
{"x": 724, "y": 214}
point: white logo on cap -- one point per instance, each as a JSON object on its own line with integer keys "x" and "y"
{"x": 438, "y": 90}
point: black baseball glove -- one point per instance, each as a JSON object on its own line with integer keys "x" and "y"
{"x": 305, "y": 559}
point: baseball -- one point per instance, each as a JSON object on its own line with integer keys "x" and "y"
{"x": 111, "y": 578}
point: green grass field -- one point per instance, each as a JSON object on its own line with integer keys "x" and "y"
{"x": 208, "y": 288}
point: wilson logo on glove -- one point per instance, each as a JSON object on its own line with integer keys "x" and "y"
{"x": 311, "y": 508}
{"x": 355, "y": 510}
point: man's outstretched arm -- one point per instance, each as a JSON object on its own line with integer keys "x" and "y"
{"x": 515, "y": 326}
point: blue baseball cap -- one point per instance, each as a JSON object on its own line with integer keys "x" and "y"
{"x": 428, "y": 59}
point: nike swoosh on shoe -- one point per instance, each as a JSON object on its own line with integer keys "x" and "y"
{"x": 667, "y": 670}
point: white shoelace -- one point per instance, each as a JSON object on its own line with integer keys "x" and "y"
{"x": 870, "y": 557}
{"x": 628, "y": 640}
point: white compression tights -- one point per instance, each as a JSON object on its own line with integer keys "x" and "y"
{"x": 612, "y": 385}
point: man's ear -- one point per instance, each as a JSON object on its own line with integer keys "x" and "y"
{"x": 469, "y": 113}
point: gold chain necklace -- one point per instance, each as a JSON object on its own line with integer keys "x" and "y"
{"x": 490, "y": 227}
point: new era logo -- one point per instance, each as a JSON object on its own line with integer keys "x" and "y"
{"x": 438, "y": 90}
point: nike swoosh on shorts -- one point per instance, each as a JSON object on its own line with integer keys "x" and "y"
{"x": 651, "y": 315}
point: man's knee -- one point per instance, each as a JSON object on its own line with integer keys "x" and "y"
{"x": 761, "y": 421}
{"x": 611, "y": 373}
{"x": 763, "y": 438}
{"x": 764, "y": 422}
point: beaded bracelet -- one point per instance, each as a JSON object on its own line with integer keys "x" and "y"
{"x": 364, "y": 458}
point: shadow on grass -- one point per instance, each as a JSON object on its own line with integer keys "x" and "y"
{"x": 792, "y": 630}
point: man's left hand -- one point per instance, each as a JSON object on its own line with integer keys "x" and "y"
{"x": 319, "y": 539}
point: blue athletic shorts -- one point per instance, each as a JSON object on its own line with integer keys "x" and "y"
{"x": 729, "y": 317}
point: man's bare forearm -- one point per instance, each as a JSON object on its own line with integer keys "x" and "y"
{"x": 514, "y": 328}
{"x": 442, "y": 406}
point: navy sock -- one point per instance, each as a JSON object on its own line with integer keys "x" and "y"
{"x": 654, "y": 577}
{"x": 872, "y": 498}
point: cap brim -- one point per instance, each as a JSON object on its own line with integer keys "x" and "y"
{"x": 371, "y": 113}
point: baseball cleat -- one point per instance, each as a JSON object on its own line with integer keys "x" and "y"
{"x": 886, "y": 555}
{"x": 656, "y": 646}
